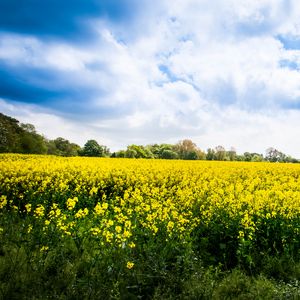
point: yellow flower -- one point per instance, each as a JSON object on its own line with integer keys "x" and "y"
{"x": 29, "y": 229}
{"x": 130, "y": 265}
{"x": 3, "y": 201}
{"x": 93, "y": 191}
{"x": 81, "y": 213}
{"x": 241, "y": 234}
{"x": 131, "y": 245}
{"x": 100, "y": 209}
{"x": 95, "y": 231}
{"x": 170, "y": 225}
{"x": 118, "y": 229}
{"x": 44, "y": 248}
{"x": 71, "y": 202}
{"x": 39, "y": 211}
{"x": 126, "y": 234}
{"x": 28, "y": 207}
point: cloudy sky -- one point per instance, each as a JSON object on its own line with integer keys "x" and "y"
{"x": 139, "y": 71}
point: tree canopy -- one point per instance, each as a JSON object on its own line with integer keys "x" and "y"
{"x": 23, "y": 138}
{"x": 92, "y": 148}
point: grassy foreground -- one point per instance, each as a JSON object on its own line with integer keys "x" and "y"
{"x": 85, "y": 228}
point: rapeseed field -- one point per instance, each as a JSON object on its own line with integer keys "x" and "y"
{"x": 125, "y": 228}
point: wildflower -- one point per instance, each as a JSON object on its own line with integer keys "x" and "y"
{"x": 29, "y": 229}
{"x": 126, "y": 234}
{"x": 71, "y": 202}
{"x": 241, "y": 234}
{"x": 100, "y": 209}
{"x": 3, "y": 201}
{"x": 93, "y": 191}
{"x": 170, "y": 225}
{"x": 131, "y": 245}
{"x": 95, "y": 231}
{"x": 39, "y": 211}
{"x": 28, "y": 207}
{"x": 118, "y": 229}
{"x": 44, "y": 248}
{"x": 82, "y": 213}
{"x": 130, "y": 265}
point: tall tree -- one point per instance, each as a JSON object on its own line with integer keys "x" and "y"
{"x": 138, "y": 151}
{"x": 10, "y": 133}
{"x": 163, "y": 151}
{"x": 220, "y": 153}
{"x": 31, "y": 141}
{"x": 210, "y": 155}
{"x": 186, "y": 149}
{"x": 92, "y": 148}
{"x": 168, "y": 154}
{"x": 65, "y": 148}
{"x": 274, "y": 155}
{"x": 231, "y": 154}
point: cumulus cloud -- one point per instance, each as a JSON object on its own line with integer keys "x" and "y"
{"x": 214, "y": 71}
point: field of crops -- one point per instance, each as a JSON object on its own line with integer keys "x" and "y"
{"x": 121, "y": 228}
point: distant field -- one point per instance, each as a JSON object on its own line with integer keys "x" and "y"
{"x": 125, "y": 228}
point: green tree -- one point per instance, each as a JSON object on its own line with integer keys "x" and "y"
{"x": 138, "y": 151}
{"x": 155, "y": 150}
{"x": 159, "y": 149}
{"x": 65, "y": 148}
{"x": 120, "y": 153}
{"x": 274, "y": 155}
{"x": 130, "y": 153}
{"x": 231, "y": 154}
{"x": 10, "y": 133}
{"x": 247, "y": 156}
{"x": 169, "y": 154}
{"x": 220, "y": 153}
{"x": 257, "y": 157}
{"x": 201, "y": 154}
{"x": 186, "y": 149}
{"x": 210, "y": 155}
{"x": 92, "y": 148}
{"x": 51, "y": 148}
{"x": 31, "y": 141}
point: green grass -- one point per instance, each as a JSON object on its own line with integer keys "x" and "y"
{"x": 69, "y": 271}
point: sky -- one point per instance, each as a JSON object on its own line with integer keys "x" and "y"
{"x": 141, "y": 72}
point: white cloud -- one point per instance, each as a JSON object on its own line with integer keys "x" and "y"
{"x": 222, "y": 75}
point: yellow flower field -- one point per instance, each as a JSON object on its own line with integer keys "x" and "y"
{"x": 123, "y": 199}
{"x": 149, "y": 216}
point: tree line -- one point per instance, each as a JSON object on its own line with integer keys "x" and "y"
{"x": 16, "y": 137}
{"x": 188, "y": 150}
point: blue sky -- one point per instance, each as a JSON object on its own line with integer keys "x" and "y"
{"x": 136, "y": 71}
